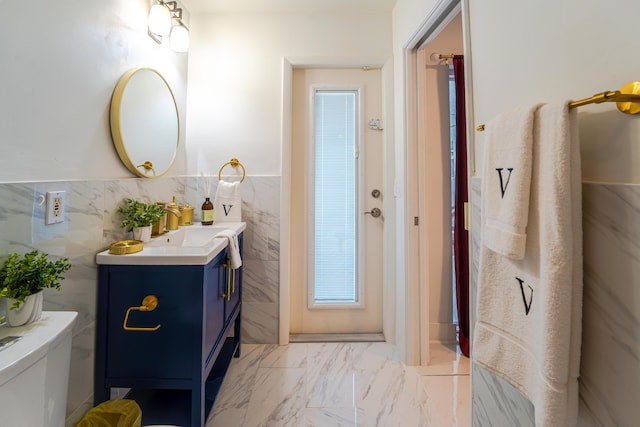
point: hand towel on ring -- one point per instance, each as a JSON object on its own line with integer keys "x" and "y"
{"x": 227, "y": 206}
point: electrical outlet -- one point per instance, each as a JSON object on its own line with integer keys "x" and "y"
{"x": 56, "y": 204}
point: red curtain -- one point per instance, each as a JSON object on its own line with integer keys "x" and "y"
{"x": 460, "y": 235}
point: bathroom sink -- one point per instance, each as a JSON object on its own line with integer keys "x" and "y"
{"x": 191, "y": 245}
{"x": 193, "y": 236}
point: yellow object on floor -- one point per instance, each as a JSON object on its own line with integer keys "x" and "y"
{"x": 113, "y": 413}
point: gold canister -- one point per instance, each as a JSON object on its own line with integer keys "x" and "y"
{"x": 186, "y": 217}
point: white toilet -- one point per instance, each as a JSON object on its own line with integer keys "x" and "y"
{"x": 34, "y": 371}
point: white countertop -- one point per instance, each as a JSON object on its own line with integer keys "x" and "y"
{"x": 190, "y": 245}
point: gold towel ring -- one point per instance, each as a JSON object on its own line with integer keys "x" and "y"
{"x": 148, "y": 166}
{"x": 234, "y": 163}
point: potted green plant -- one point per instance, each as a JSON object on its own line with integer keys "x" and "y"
{"x": 139, "y": 217}
{"x": 22, "y": 279}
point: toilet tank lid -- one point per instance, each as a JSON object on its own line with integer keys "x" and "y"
{"x": 36, "y": 340}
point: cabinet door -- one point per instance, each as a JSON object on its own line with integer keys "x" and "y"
{"x": 214, "y": 307}
{"x": 235, "y": 286}
{"x": 168, "y": 352}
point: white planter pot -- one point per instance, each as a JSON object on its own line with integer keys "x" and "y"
{"x": 28, "y": 312}
{"x": 142, "y": 233}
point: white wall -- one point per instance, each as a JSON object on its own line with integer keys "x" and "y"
{"x": 546, "y": 51}
{"x": 60, "y": 63}
{"x": 235, "y": 78}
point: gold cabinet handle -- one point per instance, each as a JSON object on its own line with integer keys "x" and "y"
{"x": 227, "y": 295}
{"x": 149, "y": 303}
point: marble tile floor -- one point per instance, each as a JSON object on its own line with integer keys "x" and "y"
{"x": 342, "y": 384}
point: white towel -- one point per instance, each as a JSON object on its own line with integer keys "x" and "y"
{"x": 227, "y": 205}
{"x": 529, "y": 311}
{"x": 506, "y": 181}
{"x": 234, "y": 248}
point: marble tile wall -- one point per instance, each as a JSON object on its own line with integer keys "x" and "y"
{"x": 610, "y": 366}
{"x": 92, "y": 224}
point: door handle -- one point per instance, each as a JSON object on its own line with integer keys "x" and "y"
{"x": 375, "y": 212}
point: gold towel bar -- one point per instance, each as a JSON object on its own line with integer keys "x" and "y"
{"x": 234, "y": 163}
{"x": 627, "y": 100}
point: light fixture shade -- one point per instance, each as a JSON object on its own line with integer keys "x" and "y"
{"x": 159, "y": 20}
{"x": 179, "y": 38}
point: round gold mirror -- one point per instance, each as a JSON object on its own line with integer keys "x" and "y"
{"x": 144, "y": 122}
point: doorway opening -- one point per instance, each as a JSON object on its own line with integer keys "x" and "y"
{"x": 437, "y": 187}
{"x": 459, "y": 203}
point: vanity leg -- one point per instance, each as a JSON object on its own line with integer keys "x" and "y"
{"x": 197, "y": 405}
{"x": 237, "y": 341}
{"x": 101, "y": 393}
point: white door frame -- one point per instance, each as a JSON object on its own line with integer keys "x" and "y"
{"x": 416, "y": 318}
{"x": 288, "y": 64}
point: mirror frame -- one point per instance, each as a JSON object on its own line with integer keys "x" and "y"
{"x": 116, "y": 129}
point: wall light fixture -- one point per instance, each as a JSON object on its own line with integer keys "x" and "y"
{"x": 179, "y": 38}
{"x": 162, "y": 16}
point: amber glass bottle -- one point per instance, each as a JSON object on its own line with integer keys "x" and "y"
{"x": 207, "y": 212}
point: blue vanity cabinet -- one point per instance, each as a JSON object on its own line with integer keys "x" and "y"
{"x": 173, "y": 357}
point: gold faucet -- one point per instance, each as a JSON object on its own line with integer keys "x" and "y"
{"x": 173, "y": 213}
